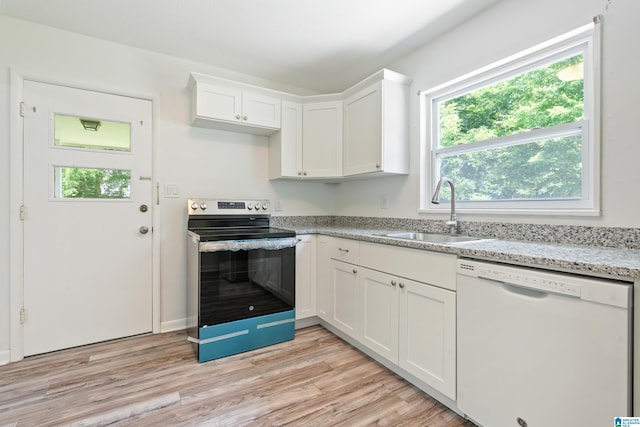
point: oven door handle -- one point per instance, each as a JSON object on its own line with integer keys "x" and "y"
{"x": 249, "y": 244}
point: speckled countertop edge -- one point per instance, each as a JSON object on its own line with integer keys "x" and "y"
{"x": 618, "y": 263}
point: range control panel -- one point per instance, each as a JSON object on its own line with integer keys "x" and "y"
{"x": 227, "y": 207}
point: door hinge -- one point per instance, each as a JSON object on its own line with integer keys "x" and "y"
{"x": 23, "y": 315}
{"x": 21, "y": 212}
{"x": 21, "y": 108}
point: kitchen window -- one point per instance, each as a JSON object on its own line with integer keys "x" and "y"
{"x": 520, "y": 135}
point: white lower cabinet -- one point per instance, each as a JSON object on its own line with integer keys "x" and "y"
{"x": 305, "y": 277}
{"x": 345, "y": 298}
{"x": 324, "y": 305}
{"x": 428, "y": 335}
{"x": 380, "y": 313}
{"x": 410, "y": 323}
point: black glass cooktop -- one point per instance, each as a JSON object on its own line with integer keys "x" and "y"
{"x": 211, "y": 235}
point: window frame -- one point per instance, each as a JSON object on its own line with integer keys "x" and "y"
{"x": 586, "y": 40}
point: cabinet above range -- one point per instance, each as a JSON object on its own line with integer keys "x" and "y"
{"x": 227, "y": 105}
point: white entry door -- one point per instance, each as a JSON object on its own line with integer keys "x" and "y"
{"x": 87, "y": 217}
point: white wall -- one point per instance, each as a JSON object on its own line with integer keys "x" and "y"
{"x": 202, "y": 162}
{"x": 506, "y": 28}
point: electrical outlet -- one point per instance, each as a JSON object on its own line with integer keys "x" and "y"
{"x": 384, "y": 203}
{"x": 278, "y": 205}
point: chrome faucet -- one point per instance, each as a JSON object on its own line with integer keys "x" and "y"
{"x": 453, "y": 222}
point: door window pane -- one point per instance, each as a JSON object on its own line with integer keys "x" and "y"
{"x": 81, "y": 132}
{"x": 84, "y": 183}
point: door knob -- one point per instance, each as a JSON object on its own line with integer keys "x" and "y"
{"x": 143, "y": 229}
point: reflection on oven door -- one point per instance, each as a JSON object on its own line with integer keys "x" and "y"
{"x": 233, "y": 266}
{"x": 265, "y": 269}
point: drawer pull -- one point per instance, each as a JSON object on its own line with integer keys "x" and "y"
{"x": 393, "y": 283}
{"x": 346, "y": 251}
{"x": 401, "y": 285}
{"x": 355, "y": 271}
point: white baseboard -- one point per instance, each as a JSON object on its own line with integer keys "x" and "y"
{"x": 173, "y": 325}
{"x": 5, "y": 357}
{"x": 307, "y": 321}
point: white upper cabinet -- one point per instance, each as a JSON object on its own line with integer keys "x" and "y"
{"x": 376, "y": 126}
{"x": 285, "y": 147}
{"x": 227, "y": 105}
{"x": 363, "y": 131}
{"x": 309, "y": 144}
{"x": 260, "y": 110}
{"x": 322, "y": 139}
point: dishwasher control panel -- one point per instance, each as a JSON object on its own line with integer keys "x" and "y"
{"x": 605, "y": 291}
{"x": 530, "y": 280}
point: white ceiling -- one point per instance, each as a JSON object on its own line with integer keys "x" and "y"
{"x": 320, "y": 45}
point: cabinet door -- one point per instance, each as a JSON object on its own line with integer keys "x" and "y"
{"x": 218, "y": 102}
{"x": 380, "y": 313}
{"x": 285, "y": 147}
{"x": 428, "y": 335}
{"x": 305, "y": 277}
{"x": 324, "y": 279}
{"x": 346, "y": 298}
{"x": 363, "y": 131}
{"x": 322, "y": 139}
{"x": 260, "y": 110}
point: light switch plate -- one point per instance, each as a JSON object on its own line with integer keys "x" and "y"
{"x": 384, "y": 202}
{"x": 171, "y": 190}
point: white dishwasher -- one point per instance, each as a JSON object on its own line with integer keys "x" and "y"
{"x": 542, "y": 349}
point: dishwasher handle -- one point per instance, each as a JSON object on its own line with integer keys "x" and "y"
{"x": 517, "y": 289}
{"x": 549, "y": 284}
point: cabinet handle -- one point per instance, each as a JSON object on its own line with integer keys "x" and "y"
{"x": 401, "y": 285}
{"x": 346, "y": 251}
{"x": 393, "y": 283}
{"x": 238, "y": 116}
{"x": 355, "y": 271}
{"x": 377, "y": 166}
{"x": 304, "y": 173}
{"x": 299, "y": 173}
{"x": 245, "y": 118}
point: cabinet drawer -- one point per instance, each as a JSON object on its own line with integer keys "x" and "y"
{"x": 423, "y": 266}
{"x": 345, "y": 250}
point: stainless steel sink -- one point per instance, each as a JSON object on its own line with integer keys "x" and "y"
{"x": 432, "y": 237}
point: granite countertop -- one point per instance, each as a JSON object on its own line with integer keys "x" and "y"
{"x": 618, "y": 263}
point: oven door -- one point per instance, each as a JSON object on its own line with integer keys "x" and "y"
{"x": 240, "y": 279}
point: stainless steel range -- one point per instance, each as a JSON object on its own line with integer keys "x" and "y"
{"x": 241, "y": 278}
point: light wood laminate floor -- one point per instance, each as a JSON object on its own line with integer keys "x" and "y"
{"x": 154, "y": 380}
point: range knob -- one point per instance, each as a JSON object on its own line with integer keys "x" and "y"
{"x": 264, "y": 206}
{"x": 249, "y": 205}
{"x": 194, "y": 206}
{"x": 203, "y": 206}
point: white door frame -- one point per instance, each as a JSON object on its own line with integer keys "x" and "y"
{"x": 16, "y": 192}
